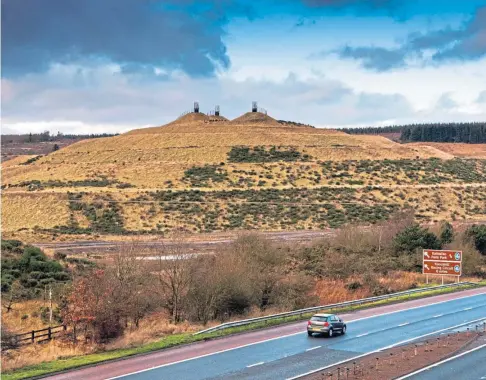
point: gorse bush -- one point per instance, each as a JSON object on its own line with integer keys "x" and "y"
{"x": 202, "y": 176}
{"x": 262, "y": 154}
{"x": 477, "y": 233}
{"x": 416, "y": 237}
{"x": 30, "y": 267}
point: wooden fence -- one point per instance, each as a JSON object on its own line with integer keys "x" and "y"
{"x": 38, "y": 336}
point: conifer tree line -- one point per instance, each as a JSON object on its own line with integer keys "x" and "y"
{"x": 472, "y": 133}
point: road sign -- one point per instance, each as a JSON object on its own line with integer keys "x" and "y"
{"x": 442, "y": 255}
{"x": 444, "y": 268}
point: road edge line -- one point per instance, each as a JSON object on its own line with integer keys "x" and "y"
{"x": 384, "y": 348}
{"x": 441, "y": 362}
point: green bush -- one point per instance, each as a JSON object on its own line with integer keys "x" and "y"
{"x": 33, "y": 269}
{"x": 261, "y": 154}
{"x": 202, "y": 176}
{"x": 415, "y": 237}
{"x": 477, "y": 233}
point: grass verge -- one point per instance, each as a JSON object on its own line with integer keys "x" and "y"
{"x": 59, "y": 365}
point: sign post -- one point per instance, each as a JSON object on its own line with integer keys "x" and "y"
{"x": 442, "y": 263}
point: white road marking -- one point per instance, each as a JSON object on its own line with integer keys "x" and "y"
{"x": 438, "y": 316}
{"x": 254, "y": 365}
{"x": 383, "y": 348}
{"x": 313, "y": 348}
{"x": 288, "y": 335}
{"x": 359, "y": 336}
{"x": 404, "y": 324}
{"x": 442, "y": 362}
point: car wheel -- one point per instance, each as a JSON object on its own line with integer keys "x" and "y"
{"x": 309, "y": 333}
{"x": 330, "y": 334}
{"x": 344, "y": 330}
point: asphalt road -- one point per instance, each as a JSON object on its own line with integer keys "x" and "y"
{"x": 469, "y": 366}
{"x": 286, "y": 351}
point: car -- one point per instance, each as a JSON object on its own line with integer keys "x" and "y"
{"x": 327, "y": 324}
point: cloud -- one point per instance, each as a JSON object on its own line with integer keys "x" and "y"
{"x": 467, "y": 42}
{"x": 141, "y": 34}
{"x": 481, "y": 97}
{"x": 375, "y": 58}
{"x": 99, "y": 98}
{"x": 367, "y": 4}
{"x": 445, "y": 102}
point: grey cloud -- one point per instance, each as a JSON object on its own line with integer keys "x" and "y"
{"x": 446, "y": 102}
{"x": 140, "y": 34}
{"x": 465, "y": 43}
{"x": 481, "y": 97}
{"x": 375, "y": 58}
{"x": 376, "y": 4}
{"x": 103, "y": 97}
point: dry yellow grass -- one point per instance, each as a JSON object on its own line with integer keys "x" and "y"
{"x": 156, "y": 158}
{"x": 13, "y": 320}
{"x": 148, "y": 160}
{"x": 17, "y": 160}
{"x": 457, "y": 149}
{"x": 39, "y": 353}
{"x": 30, "y": 210}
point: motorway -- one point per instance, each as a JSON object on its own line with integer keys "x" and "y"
{"x": 285, "y": 351}
{"x": 470, "y": 365}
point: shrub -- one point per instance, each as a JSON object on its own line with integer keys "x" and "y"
{"x": 477, "y": 233}
{"x": 446, "y": 233}
{"x": 415, "y": 237}
{"x": 201, "y": 176}
{"x": 261, "y": 154}
{"x": 60, "y": 256}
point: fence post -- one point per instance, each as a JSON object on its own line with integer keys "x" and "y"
{"x": 33, "y": 336}
{"x": 49, "y": 333}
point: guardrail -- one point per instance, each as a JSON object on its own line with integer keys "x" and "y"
{"x": 329, "y": 307}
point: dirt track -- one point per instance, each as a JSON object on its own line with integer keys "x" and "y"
{"x": 199, "y": 243}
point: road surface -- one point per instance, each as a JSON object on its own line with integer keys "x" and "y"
{"x": 204, "y": 243}
{"x": 470, "y": 365}
{"x": 286, "y": 351}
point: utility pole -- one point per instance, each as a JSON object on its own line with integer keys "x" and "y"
{"x": 50, "y": 304}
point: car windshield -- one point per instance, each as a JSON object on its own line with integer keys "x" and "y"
{"x": 319, "y": 319}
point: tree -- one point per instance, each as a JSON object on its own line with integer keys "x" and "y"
{"x": 174, "y": 274}
{"x": 415, "y": 237}
{"x": 14, "y": 296}
{"x": 131, "y": 282}
{"x": 91, "y": 305}
{"x": 477, "y": 233}
{"x": 446, "y": 233}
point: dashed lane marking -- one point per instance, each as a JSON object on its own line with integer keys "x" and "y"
{"x": 254, "y": 365}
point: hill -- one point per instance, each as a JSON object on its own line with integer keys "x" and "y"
{"x": 205, "y": 173}
{"x": 470, "y": 133}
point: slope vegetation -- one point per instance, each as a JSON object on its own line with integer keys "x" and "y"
{"x": 205, "y": 173}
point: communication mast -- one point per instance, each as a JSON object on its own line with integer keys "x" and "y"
{"x": 196, "y": 107}
{"x": 254, "y": 107}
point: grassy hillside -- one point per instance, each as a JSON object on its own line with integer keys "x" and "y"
{"x": 252, "y": 172}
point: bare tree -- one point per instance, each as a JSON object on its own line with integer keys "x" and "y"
{"x": 14, "y": 295}
{"x": 130, "y": 281}
{"x": 174, "y": 274}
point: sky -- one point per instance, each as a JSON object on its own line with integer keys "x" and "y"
{"x": 97, "y": 66}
